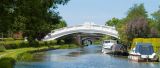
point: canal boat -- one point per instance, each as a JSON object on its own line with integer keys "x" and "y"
{"x": 119, "y": 49}
{"x": 143, "y": 52}
{"x": 107, "y": 46}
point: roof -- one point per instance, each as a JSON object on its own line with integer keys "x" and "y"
{"x": 144, "y": 48}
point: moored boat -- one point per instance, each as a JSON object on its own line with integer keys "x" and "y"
{"x": 143, "y": 52}
{"x": 107, "y": 46}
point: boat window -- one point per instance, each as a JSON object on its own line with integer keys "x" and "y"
{"x": 144, "y": 49}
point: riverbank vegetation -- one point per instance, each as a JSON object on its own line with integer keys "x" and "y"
{"x": 7, "y": 62}
{"x": 13, "y": 53}
{"x": 18, "y": 53}
{"x": 137, "y": 24}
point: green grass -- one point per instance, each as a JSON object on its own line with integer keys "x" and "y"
{"x": 13, "y": 53}
{"x": 10, "y": 42}
{"x": 11, "y": 50}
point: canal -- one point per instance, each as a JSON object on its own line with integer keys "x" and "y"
{"x": 87, "y": 57}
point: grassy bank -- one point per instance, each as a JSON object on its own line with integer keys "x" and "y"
{"x": 14, "y": 52}
{"x": 15, "y": 44}
{"x": 9, "y": 55}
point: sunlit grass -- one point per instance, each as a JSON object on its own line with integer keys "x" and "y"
{"x": 13, "y": 53}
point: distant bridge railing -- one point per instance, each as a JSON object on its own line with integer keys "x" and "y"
{"x": 82, "y": 28}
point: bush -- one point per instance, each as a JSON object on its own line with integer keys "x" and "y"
{"x": 2, "y": 48}
{"x": 23, "y": 44}
{"x": 7, "y": 39}
{"x": 53, "y": 42}
{"x": 15, "y": 45}
{"x": 7, "y": 63}
{"x": 34, "y": 43}
{"x": 60, "y": 42}
{"x": 11, "y": 46}
{"x": 47, "y": 43}
{"x": 25, "y": 57}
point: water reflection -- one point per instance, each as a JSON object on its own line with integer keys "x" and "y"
{"x": 88, "y": 57}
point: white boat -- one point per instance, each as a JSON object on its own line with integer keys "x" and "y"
{"x": 107, "y": 45}
{"x": 143, "y": 52}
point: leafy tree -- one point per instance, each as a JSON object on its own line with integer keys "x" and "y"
{"x": 154, "y": 32}
{"x": 114, "y": 22}
{"x": 134, "y": 25}
{"x": 61, "y": 24}
{"x": 35, "y": 18}
{"x": 6, "y": 15}
{"x": 136, "y": 11}
{"x": 137, "y": 28}
{"x": 156, "y": 17}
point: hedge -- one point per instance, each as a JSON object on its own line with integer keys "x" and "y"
{"x": 22, "y": 44}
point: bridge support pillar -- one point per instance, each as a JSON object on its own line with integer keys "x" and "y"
{"x": 78, "y": 39}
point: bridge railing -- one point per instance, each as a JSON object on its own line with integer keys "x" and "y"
{"x": 83, "y": 26}
{"x": 57, "y": 32}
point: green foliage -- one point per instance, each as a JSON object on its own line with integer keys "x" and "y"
{"x": 21, "y": 44}
{"x": 6, "y": 15}
{"x": 34, "y": 44}
{"x": 135, "y": 24}
{"x": 25, "y": 57}
{"x": 136, "y": 11}
{"x": 156, "y": 17}
{"x": 7, "y": 63}
{"x": 114, "y": 22}
{"x": 60, "y": 42}
{"x": 53, "y": 42}
{"x": 47, "y": 43}
{"x": 2, "y": 48}
{"x": 66, "y": 46}
{"x": 61, "y": 24}
{"x": 35, "y": 18}
{"x": 137, "y": 28}
{"x": 10, "y": 43}
{"x": 7, "y": 39}
{"x": 19, "y": 24}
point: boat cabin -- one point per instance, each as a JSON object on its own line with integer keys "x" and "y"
{"x": 143, "y": 52}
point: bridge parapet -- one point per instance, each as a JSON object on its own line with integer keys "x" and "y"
{"x": 86, "y": 28}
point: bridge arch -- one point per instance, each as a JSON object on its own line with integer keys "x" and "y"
{"x": 84, "y": 28}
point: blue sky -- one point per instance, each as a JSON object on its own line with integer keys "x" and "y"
{"x": 99, "y": 11}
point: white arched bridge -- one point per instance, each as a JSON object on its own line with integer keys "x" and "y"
{"x": 84, "y": 28}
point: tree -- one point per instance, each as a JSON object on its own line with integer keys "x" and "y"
{"x": 41, "y": 17}
{"x": 61, "y": 24}
{"x": 136, "y": 11}
{"x": 35, "y": 18}
{"x": 113, "y": 22}
{"x": 156, "y": 17}
{"x": 134, "y": 25}
{"x": 6, "y": 15}
{"x": 154, "y": 32}
{"x": 137, "y": 28}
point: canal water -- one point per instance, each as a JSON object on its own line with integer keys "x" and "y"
{"x": 87, "y": 57}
